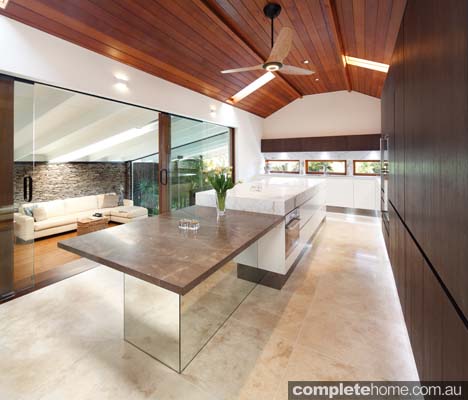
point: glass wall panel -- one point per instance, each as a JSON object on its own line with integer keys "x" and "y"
{"x": 196, "y": 146}
{"x": 23, "y": 185}
{"x": 145, "y": 183}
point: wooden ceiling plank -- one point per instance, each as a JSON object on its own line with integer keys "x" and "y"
{"x": 383, "y": 18}
{"x": 165, "y": 46}
{"x": 359, "y": 19}
{"x": 205, "y": 6}
{"x": 398, "y": 9}
{"x": 182, "y": 34}
{"x": 298, "y": 12}
{"x": 64, "y": 32}
{"x": 119, "y": 44}
{"x": 329, "y": 8}
{"x": 174, "y": 75}
{"x": 371, "y": 14}
{"x": 219, "y": 40}
{"x": 320, "y": 28}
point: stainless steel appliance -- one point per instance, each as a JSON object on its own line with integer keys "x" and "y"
{"x": 293, "y": 228}
{"x": 384, "y": 182}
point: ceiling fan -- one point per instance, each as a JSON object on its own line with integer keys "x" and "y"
{"x": 279, "y": 50}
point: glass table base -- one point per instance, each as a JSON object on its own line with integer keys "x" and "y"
{"x": 174, "y": 328}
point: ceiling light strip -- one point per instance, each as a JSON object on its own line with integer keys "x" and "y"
{"x": 359, "y": 62}
{"x": 252, "y": 87}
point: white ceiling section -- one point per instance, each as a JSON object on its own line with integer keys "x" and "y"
{"x": 67, "y": 125}
{"x": 70, "y": 126}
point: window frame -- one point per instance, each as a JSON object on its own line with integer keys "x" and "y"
{"x": 328, "y": 173}
{"x": 361, "y": 174}
{"x": 285, "y": 172}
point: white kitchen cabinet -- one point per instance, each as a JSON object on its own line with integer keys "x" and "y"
{"x": 365, "y": 193}
{"x": 271, "y": 250}
{"x": 353, "y": 192}
{"x": 340, "y": 192}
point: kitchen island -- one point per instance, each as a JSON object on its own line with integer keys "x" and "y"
{"x": 301, "y": 204}
{"x": 179, "y": 286}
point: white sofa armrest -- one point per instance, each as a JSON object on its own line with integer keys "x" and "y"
{"x": 24, "y": 227}
{"x": 128, "y": 203}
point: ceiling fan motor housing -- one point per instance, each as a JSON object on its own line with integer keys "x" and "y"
{"x": 272, "y": 10}
{"x": 272, "y": 66}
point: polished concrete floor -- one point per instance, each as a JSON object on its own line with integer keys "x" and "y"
{"x": 337, "y": 318}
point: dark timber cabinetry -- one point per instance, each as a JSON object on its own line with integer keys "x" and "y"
{"x": 425, "y": 115}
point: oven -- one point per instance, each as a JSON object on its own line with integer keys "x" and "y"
{"x": 293, "y": 230}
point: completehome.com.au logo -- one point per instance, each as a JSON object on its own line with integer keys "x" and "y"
{"x": 376, "y": 390}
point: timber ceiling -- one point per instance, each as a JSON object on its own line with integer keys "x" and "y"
{"x": 189, "y": 42}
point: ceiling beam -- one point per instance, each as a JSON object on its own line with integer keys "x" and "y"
{"x": 212, "y": 7}
{"x": 332, "y": 16}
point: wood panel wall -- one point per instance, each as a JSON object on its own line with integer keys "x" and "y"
{"x": 6, "y": 185}
{"x": 425, "y": 115}
{"x": 322, "y": 143}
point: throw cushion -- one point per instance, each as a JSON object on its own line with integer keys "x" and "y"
{"x": 110, "y": 200}
{"x": 29, "y": 210}
{"x": 39, "y": 214}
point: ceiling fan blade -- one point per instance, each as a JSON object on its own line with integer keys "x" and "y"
{"x": 282, "y": 46}
{"x": 231, "y": 71}
{"x": 290, "y": 70}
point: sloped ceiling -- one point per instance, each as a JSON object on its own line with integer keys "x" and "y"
{"x": 190, "y": 42}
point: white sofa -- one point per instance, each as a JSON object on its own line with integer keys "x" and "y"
{"x": 62, "y": 215}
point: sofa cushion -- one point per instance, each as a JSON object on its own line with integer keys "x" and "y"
{"x": 110, "y": 200}
{"x": 100, "y": 199}
{"x": 28, "y": 210}
{"x": 129, "y": 212}
{"x": 39, "y": 214}
{"x": 79, "y": 204}
{"x": 84, "y": 214}
{"x": 55, "y": 208}
{"x": 54, "y": 222}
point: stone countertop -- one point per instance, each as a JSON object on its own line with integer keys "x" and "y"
{"x": 266, "y": 194}
{"x": 156, "y": 251}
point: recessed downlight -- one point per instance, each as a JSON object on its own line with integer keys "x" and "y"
{"x": 121, "y": 84}
{"x": 120, "y": 76}
{"x": 305, "y": 62}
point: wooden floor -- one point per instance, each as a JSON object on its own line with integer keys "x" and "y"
{"x": 43, "y": 261}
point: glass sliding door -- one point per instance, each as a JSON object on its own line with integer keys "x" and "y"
{"x": 196, "y": 146}
{"x": 16, "y": 188}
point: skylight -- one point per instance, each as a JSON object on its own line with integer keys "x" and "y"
{"x": 252, "y": 87}
{"x": 359, "y": 62}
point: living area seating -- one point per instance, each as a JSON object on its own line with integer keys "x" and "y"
{"x": 36, "y": 220}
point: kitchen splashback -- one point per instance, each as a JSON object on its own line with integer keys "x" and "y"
{"x": 325, "y": 155}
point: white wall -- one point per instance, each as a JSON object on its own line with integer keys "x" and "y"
{"x": 29, "y": 53}
{"x": 326, "y": 114}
